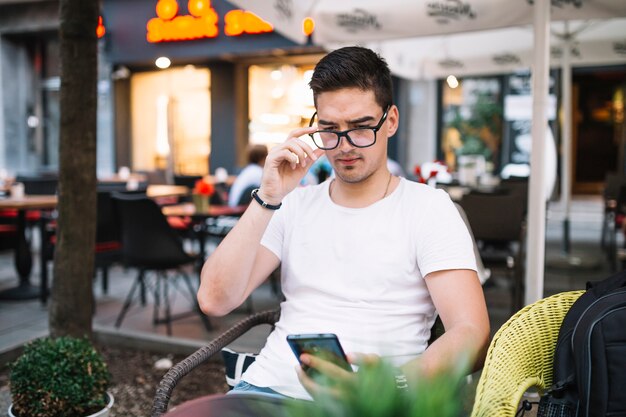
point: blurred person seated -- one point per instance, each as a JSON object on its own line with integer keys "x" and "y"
{"x": 249, "y": 177}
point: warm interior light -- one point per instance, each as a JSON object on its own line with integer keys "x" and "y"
{"x": 163, "y": 62}
{"x": 277, "y": 92}
{"x": 162, "y": 128}
{"x": 308, "y": 26}
{"x": 452, "y": 81}
{"x": 100, "y": 29}
{"x": 276, "y": 75}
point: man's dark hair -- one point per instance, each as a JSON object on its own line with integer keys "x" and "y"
{"x": 350, "y": 67}
{"x": 256, "y": 154}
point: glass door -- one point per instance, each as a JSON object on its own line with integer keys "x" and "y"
{"x": 171, "y": 120}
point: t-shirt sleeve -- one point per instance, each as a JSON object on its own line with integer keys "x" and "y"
{"x": 443, "y": 241}
{"x": 273, "y": 237}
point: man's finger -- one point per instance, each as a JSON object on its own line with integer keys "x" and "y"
{"x": 313, "y": 387}
{"x": 363, "y": 358}
{"x": 325, "y": 367}
{"x": 304, "y": 152}
{"x": 296, "y": 133}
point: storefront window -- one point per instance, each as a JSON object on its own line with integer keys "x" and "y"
{"x": 280, "y": 101}
{"x": 471, "y": 122}
{"x": 171, "y": 119}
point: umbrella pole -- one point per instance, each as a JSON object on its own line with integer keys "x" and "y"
{"x": 536, "y": 241}
{"x": 566, "y": 138}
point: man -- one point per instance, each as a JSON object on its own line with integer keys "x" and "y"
{"x": 366, "y": 255}
{"x": 250, "y": 176}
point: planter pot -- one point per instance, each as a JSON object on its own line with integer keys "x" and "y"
{"x": 200, "y": 202}
{"x": 102, "y": 413}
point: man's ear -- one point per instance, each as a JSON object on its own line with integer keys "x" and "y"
{"x": 393, "y": 119}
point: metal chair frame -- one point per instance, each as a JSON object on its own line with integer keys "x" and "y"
{"x": 200, "y": 356}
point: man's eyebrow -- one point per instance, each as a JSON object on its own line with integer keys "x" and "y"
{"x": 350, "y": 122}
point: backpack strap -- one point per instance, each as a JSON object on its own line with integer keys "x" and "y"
{"x": 599, "y": 288}
{"x": 558, "y": 388}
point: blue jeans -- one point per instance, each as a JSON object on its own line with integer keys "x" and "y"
{"x": 245, "y": 388}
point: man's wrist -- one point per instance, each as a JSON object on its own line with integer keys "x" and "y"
{"x": 263, "y": 201}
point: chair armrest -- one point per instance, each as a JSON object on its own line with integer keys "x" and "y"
{"x": 171, "y": 378}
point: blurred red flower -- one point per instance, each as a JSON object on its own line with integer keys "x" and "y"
{"x": 203, "y": 187}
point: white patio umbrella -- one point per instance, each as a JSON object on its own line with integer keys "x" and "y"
{"x": 378, "y": 22}
{"x": 498, "y": 51}
{"x": 375, "y": 20}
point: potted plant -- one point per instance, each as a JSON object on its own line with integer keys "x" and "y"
{"x": 64, "y": 376}
{"x": 376, "y": 391}
{"x": 203, "y": 189}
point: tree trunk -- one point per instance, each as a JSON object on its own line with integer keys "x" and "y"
{"x": 72, "y": 303}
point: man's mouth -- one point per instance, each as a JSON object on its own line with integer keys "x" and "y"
{"x": 348, "y": 160}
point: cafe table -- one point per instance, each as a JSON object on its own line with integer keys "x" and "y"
{"x": 23, "y": 256}
{"x": 199, "y": 219}
{"x": 457, "y": 192}
{"x": 165, "y": 190}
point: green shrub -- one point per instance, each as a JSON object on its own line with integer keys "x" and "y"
{"x": 373, "y": 393}
{"x": 59, "y": 377}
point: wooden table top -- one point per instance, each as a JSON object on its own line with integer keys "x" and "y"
{"x": 29, "y": 202}
{"x": 166, "y": 190}
{"x": 188, "y": 209}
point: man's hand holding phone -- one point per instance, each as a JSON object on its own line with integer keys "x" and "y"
{"x": 323, "y": 363}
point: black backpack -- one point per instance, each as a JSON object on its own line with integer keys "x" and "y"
{"x": 590, "y": 355}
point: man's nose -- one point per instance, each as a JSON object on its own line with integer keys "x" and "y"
{"x": 344, "y": 143}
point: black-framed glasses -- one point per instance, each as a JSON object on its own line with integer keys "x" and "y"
{"x": 359, "y": 137}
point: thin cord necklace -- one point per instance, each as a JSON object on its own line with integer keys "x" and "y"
{"x": 330, "y": 188}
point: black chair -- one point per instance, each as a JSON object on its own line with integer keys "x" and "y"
{"x": 108, "y": 241}
{"x": 150, "y": 244}
{"x": 517, "y": 185}
{"x": 483, "y": 273}
{"x": 108, "y": 237}
{"x": 614, "y": 196}
{"x": 246, "y": 195}
{"x": 46, "y": 183}
{"x": 8, "y": 235}
{"x": 120, "y": 187}
{"x": 498, "y": 223}
{"x": 39, "y": 184}
{"x": 186, "y": 180}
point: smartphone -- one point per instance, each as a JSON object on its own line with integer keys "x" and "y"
{"x": 324, "y": 345}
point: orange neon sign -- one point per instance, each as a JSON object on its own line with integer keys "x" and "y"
{"x": 238, "y": 22}
{"x": 201, "y": 22}
{"x": 100, "y": 29}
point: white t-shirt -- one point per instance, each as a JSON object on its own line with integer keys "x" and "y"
{"x": 359, "y": 273}
{"x": 249, "y": 176}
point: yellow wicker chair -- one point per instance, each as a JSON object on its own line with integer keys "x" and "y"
{"x": 520, "y": 356}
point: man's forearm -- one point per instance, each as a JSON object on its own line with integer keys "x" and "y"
{"x": 227, "y": 274}
{"x": 465, "y": 342}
